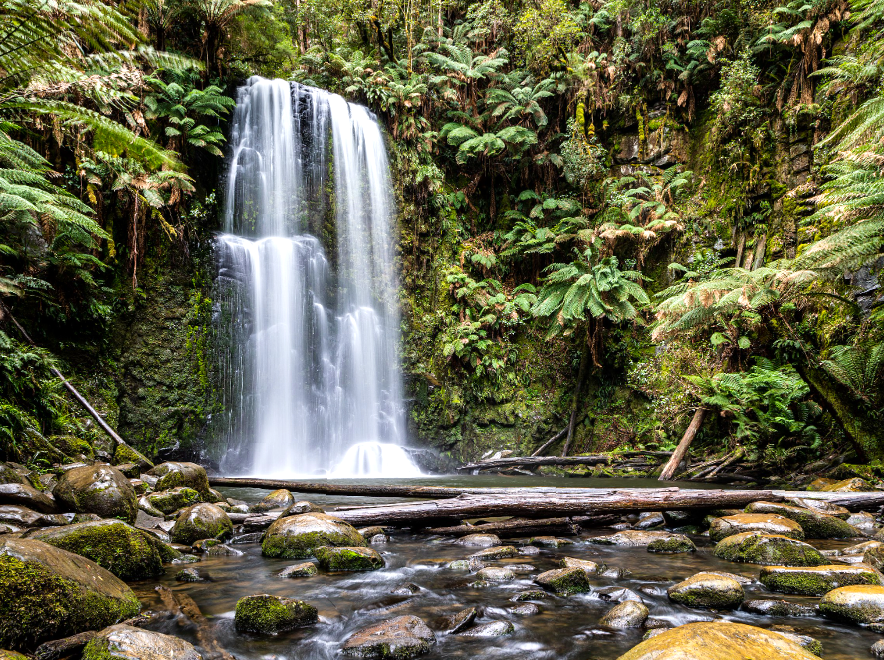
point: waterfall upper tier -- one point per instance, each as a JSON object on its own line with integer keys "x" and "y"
{"x": 310, "y": 363}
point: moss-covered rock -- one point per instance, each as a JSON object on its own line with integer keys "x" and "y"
{"x": 674, "y": 544}
{"x": 874, "y": 555}
{"x": 48, "y": 593}
{"x": 296, "y": 537}
{"x": 172, "y": 474}
{"x": 816, "y": 580}
{"x": 822, "y": 506}
{"x": 125, "y": 551}
{"x": 278, "y": 499}
{"x": 9, "y": 475}
{"x": 201, "y": 521}
{"x": 589, "y": 567}
{"x": 628, "y": 614}
{"x": 307, "y": 569}
{"x": 816, "y": 525}
{"x": 272, "y": 614}
{"x": 348, "y": 558}
{"x": 565, "y": 581}
{"x": 100, "y": 489}
{"x": 854, "y": 485}
{"x": 766, "y": 523}
{"x": 12, "y": 655}
{"x": 169, "y": 501}
{"x": 400, "y": 638}
{"x": 496, "y": 552}
{"x": 71, "y": 445}
{"x": 631, "y": 538}
{"x": 707, "y": 590}
{"x": 127, "y": 454}
{"x": 858, "y": 604}
{"x": 768, "y": 549}
{"x": 122, "y": 642}
{"x": 718, "y": 640}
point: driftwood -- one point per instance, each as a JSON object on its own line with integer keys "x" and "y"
{"x": 62, "y": 648}
{"x": 182, "y": 604}
{"x": 682, "y": 449}
{"x": 526, "y": 527}
{"x": 550, "y": 505}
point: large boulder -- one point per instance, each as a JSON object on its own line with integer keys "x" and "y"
{"x": 708, "y": 590}
{"x": 628, "y": 614}
{"x": 766, "y": 523}
{"x": 816, "y": 580}
{"x": 858, "y": 604}
{"x": 272, "y": 614}
{"x": 296, "y": 537}
{"x": 816, "y": 525}
{"x": 348, "y": 558}
{"x": 565, "y": 581}
{"x": 278, "y": 499}
{"x": 26, "y": 495}
{"x": 169, "y": 501}
{"x": 48, "y": 593}
{"x": 400, "y": 638}
{"x": 201, "y": 521}
{"x": 125, "y": 551}
{"x": 718, "y": 640}
{"x": 768, "y": 549}
{"x": 172, "y": 474}
{"x": 122, "y": 642}
{"x": 100, "y": 489}
{"x": 632, "y": 538}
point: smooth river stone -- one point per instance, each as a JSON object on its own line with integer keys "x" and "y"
{"x": 632, "y": 538}
{"x": 296, "y": 537}
{"x": 859, "y": 604}
{"x": 766, "y": 523}
{"x": 400, "y": 638}
{"x": 816, "y": 525}
{"x": 707, "y": 590}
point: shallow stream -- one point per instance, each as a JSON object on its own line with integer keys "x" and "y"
{"x": 566, "y": 627}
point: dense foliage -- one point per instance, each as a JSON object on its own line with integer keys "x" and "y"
{"x": 674, "y": 204}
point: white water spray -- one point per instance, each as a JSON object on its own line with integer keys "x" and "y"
{"x": 311, "y": 369}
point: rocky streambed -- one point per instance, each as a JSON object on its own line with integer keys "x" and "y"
{"x": 91, "y": 568}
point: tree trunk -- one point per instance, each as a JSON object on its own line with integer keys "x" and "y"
{"x": 535, "y": 461}
{"x": 516, "y": 527}
{"x": 546, "y": 445}
{"x": 682, "y": 449}
{"x": 581, "y": 374}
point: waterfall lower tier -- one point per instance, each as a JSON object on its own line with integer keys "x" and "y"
{"x": 310, "y": 362}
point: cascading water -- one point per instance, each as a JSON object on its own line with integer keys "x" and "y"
{"x": 311, "y": 372}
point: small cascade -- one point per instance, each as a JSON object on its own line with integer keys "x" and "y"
{"x": 310, "y": 362}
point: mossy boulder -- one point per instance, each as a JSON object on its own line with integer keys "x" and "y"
{"x": 296, "y": 537}
{"x": 278, "y": 499}
{"x": 628, "y": 614}
{"x": 125, "y": 551}
{"x": 48, "y": 593}
{"x": 816, "y": 525}
{"x": 201, "y": 521}
{"x": 565, "y": 581}
{"x": 307, "y": 569}
{"x": 172, "y": 474}
{"x": 768, "y": 549}
{"x": 816, "y": 580}
{"x": 127, "y": 454}
{"x": 708, "y": 590}
{"x": 122, "y": 642}
{"x": 631, "y": 538}
{"x": 264, "y": 613}
{"x": 589, "y": 567}
{"x": 766, "y": 523}
{"x": 674, "y": 544}
{"x": 100, "y": 489}
{"x": 858, "y": 604}
{"x": 9, "y": 476}
{"x": 71, "y": 445}
{"x": 169, "y": 501}
{"x": 400, "y": 638}
{"x": 718, "y": 640}
{"x": 348, "y": 558}
{"x": 874, "y": 556}
{"x": 854, "y": 485}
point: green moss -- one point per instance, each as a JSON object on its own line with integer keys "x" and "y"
{"x": 768, "y": 549}
{"x": 124, "y": 454}
{"x": 672, "y": 545}
{"x": 271, "y": 614}
{"x": 348, "y": 559}
{"x": 169, "y": 501}
{"x": 814, "y": 582}
{"x": 36, "y": 605}
{"x": 126, "y": 552}
{"x": 565, "y": 581}
{"x": 72, "y": 445}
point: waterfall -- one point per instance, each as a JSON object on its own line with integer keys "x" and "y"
{"x": 310, "y": 366}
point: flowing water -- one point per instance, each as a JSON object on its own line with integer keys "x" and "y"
{"x": 310, "y": 364}
{"x": 567, "y": 627}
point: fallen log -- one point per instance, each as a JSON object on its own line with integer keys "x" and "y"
{"x": 535, "y": 461}
{"x": 63, "y": 648}
{"x": 550, "y": 505}
{"x": 179, "y": 604}
{"x": 361, "y": 490}
{"x": 526, "y": 527}
{"x": 678, "y": 455}
{"x": 558, "y": 436}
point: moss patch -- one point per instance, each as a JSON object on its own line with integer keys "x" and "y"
{"x": 815, "y": 581}
{"x": 271, "y": 614}
{"x": 348, "y": 559}
{"x": 768, "y": 549}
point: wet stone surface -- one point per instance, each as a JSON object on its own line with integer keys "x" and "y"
{"x": 512, "y": 618}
